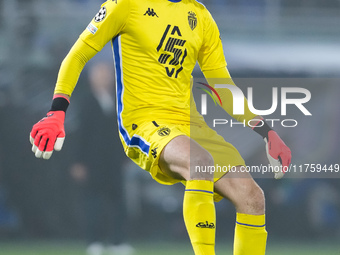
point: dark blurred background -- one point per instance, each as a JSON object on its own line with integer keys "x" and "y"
{"x": 278, "y": 39}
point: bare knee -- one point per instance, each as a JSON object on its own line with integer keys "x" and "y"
{"x": 244, "y": 193}
{"x": 249, "y": 198}
{"x": 255, "y": 202}
{"x": 201, "y": 166}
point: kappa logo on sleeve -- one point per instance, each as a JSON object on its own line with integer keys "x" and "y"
{"x": 100, "y": 15}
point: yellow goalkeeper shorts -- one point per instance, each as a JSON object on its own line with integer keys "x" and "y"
{"x": 146, "y": 141}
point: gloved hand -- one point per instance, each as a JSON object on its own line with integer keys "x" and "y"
{"x": 48, "y": 134}
{"x": 278, "y": 153}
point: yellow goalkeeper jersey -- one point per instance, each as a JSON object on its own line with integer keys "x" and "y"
{"x": 156, "y": 44}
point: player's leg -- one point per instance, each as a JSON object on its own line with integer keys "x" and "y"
{"x": 176, "y": 160}
{"x": 248, "y": 198}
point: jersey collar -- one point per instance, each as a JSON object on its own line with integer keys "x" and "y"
{"x": 174, "y": 1}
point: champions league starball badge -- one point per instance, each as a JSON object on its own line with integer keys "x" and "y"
{"x": 100, "y": 15}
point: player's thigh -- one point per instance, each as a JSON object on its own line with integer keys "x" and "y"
{"x": 180, "y": 157}
{"x": 225, "y": 155}
{"x": 241, "y": 189}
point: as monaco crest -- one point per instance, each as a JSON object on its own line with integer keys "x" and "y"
{"x": 192, "y": 20}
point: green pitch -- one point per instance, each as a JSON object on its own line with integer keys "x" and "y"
{"x": 67, "y": 248}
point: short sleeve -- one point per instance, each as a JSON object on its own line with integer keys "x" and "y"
{"x": 211, "y": 55}
{"x": 107, "y": 23}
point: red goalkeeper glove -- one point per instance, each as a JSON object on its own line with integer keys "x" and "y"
{"x": 49, "y": 133}
{"x": 278, "y": 153}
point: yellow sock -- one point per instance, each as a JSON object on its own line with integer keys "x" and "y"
{"x": 250, "y": 235}
{"x": 199, "y": 216}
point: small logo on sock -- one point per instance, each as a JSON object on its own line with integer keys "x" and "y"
{"x": 205, "y": 225}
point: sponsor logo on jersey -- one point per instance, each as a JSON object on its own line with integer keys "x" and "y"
{"x": 205, "y": 225}
{"x": 164, "y": 131}
{"x": 192, "y": 19}
{"x": 92, "y": 28}
{"x": 151, "y": 12}
{"x": 100, "y": 15}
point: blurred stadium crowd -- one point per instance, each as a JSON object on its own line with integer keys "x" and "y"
{"x": 49, "y": 199}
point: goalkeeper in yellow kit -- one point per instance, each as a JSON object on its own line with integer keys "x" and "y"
{"x": 156, "y": 44}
